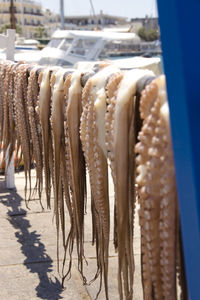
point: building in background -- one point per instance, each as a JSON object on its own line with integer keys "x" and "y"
{"x": 102, "y": 20}
{"x": 51, "y": 22}
{"x": 91, "y": 21}
{"x": 35, "y": 23}
{"x": 28, "y": 16}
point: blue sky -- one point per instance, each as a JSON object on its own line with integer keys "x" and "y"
{"x": 125, "y": 8}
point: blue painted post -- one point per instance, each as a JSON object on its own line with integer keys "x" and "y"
{"x": 180, "y": 34}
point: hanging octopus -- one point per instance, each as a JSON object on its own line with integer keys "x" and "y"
{"x": 6, "y": 130}
{"x": 43, "y": 110}
{"x": 92, "y": 132}
{"x": 14, "y": 143}
{"x": 157, "y": 195}
{"x": 75, "y": 164}
{"x": 57, "y": 131}
{"x": 4, "y": 104}
{"x": 120, "y": 139}
{"x": 35, "y": 129}
{"x": 22, "y": 120}
{"x": 66, "y": 128}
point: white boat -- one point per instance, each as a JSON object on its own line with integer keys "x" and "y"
{"x": 26, "y": 44}
{"x": 67, "y": 47}
{"x": 84, "y": 48}
{"x": 25, "y": 50}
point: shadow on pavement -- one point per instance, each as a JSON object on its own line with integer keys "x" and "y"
{"x": 36, "y": 259}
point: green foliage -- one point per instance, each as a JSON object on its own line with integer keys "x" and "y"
{"x": 153, "y": 35}
{"x": 142, "y": 33}
{"x": 148, "y": 35}
{"x": 40, "y": 32}
{"x": 4, "y": 28}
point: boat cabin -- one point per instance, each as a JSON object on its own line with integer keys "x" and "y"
{"x": 67, "y": 47}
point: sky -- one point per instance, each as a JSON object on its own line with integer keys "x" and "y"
{"x": 124, "y": 8}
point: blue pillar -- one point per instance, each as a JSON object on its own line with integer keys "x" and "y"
{"x": 180, "y": 34}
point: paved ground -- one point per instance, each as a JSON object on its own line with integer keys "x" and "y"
{"x": 28, "y": 260}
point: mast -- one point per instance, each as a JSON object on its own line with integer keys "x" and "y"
{"x": 62, "y": 14}
{"x": 12, "y": 15}
{"x": 92, "y": 6}
{"x": 93, "y": 12}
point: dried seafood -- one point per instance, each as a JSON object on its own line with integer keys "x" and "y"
{"x": 120, "y": 144}
{"x": 93, "y": 142}
{"x": 66, "y": 120}
{"x": 157, "y": 195}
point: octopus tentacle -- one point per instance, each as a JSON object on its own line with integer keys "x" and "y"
{"x": 83, "y": 129}
{"x": 168, "y": 202}
{"x": 60, "y": 175}
{"x": 43, "y": 110}
{"x": 56, "y": 129}
{"x": 180, "y": 265}
{"x": 73, "y": 93}
{"x": 150, "y": 214}
{"x": 15, "y": 115}
{"x": 12, "y": 131}
{"x": 93, "y": 142}
{"x": 32, "y": 95}
{"x": 2, "y": 96}
{"x": 6, "y": 129}
{"x": 111, "y": 88}
{"x": 23, "y": 129}
{"x": 69, "y": 242}
{"x": 157, "y": 193}
{"x": 145, "y": 106}
{"x": 120, "y": 130}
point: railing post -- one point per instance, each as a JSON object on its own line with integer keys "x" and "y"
{"x": 10, "y": 169}
{"x": 10, "y": 50}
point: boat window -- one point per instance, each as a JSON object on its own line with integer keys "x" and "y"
{"x": 90, "y": 43}
{"x": 82, "y": 47}
{"x": 54, "y": 43}
{"x": 65, "y": 44}
{"x": 117, "y": 47}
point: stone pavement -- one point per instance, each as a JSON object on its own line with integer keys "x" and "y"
{"x": 28, "y": 259}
